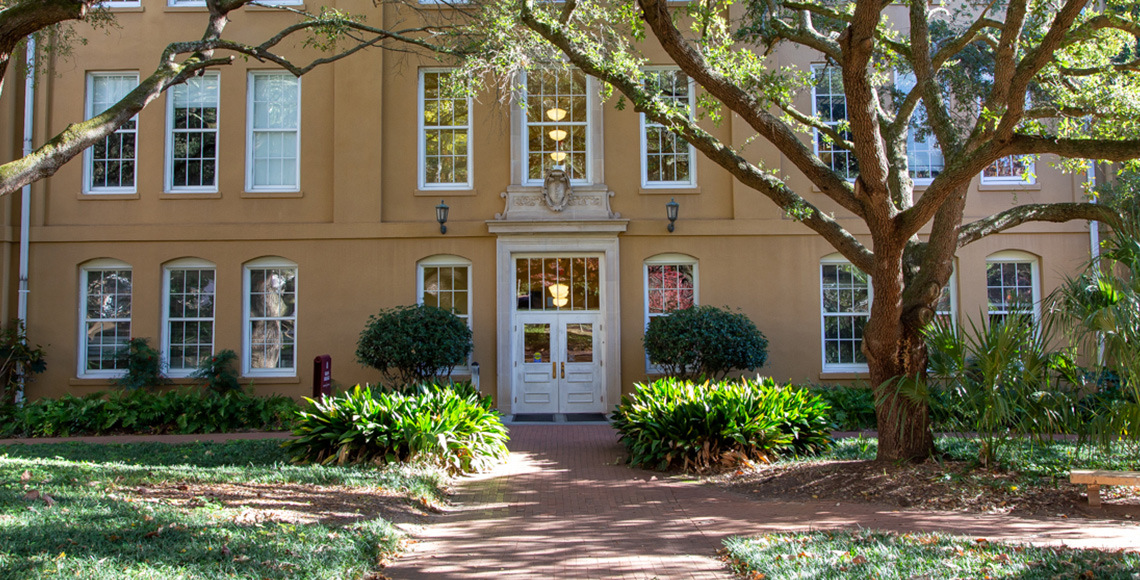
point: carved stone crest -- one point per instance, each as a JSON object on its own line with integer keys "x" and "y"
{"x": 556, "y": 189}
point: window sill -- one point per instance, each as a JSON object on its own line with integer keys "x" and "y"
{"x": 114, "y": 8}
{"x": 668, "y": 190}
{"x": 255, "y": 379}
{"x": 441, "y": 5}
{"x": 272, "y": 194}
{"x": 96, "y": 382}
{"x": 106, "y": 196}
{"x": 457, "y": 192}
{"x": 982, "y": 186}
{"x": 274, "y": 8}
{"x": 844, "y": 375}
{"x": 190, "y": 195}
{"x": 187, "y": 8}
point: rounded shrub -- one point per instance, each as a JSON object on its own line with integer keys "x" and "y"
{"x": 672, "y": 423}
{"x": 414, "y": 344}
{"x": 455, "y": 429}
{"x": 704, "y": 341}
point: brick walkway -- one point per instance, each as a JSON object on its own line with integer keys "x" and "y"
{"x": 565, "y": 507}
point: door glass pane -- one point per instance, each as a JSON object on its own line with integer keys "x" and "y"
{"x": 579, "y": 343}
{"x": 536, "y": 343}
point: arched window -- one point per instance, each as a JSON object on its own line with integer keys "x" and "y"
{"x": 270, "y": 312}
{"x": 104, "y": 316}
{"x": 845, "y": 307}
{"x": 671, "y": 283}
{"x": 444, "y": 281}
{"x": 1012, "y": 284}
{"x": 188, "y": 305}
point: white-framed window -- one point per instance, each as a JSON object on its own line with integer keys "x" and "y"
{"x": 667, "y": 160}
{"x": 845, "y": 306}
{"x": 671, "y": 282}
{"x": 185, "y": 2}
{"x": 444, "y": 281}
{"x": 924, "y": 156}
{"x": 188, "y": 302}
{"x": 104, "y": 317}
{"x": 1011, "y": 170}
{"x": 121, "y": 3}
{"x": 1012, "y": 285}
{"x": 947, "y": 308}
{"x": 192, "y": 135}
{"x": 270, "y": 312}
{"x": 829, "y": 104}
{"x": 110, "y": 164}
{"x": 273, "y": 139}
{"x": 445, "y": 160}
{"x": 557, "y": 122}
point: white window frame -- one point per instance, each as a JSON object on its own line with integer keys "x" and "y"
{"x": 89, "y": 153}
{"x": 121, "y": 3}
{"x": 950, "y": 288}
{"x": 1029, "y": 177}
{"x": 665, "y": 260}
{"x": 422, "y": 139}
{"x": 815, "y": 137}
{"x": 268, "y": 263}
{"x": 170, "y": 132}
{"x": 185, "y": 2}
{"x": 99, "y": 265}
{"x": 838, "y": 260}
{"x": 168, "y": 269}
{"x": 250, "y": 131}
{"x": 1016, "y": 256}
{"x": 646, "y": 124}
{"x": 450, "y": 261}
{"x": 520, "y": 146}
{"x": 904, "y": 83}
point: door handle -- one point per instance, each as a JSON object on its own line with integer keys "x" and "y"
{"x": 563, "y": 370}
{"x": 553, "y": 370}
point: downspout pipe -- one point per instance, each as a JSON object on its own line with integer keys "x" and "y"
{"x": 26, "y": 198}
{"x": 1094, "y": 247}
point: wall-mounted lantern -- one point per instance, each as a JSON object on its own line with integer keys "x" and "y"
{"x": 671, "y": 210}
{"x": 441, "y": 216}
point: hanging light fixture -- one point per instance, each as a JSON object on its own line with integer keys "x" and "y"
{"x": 671, "y": 210}
{"x": 441, "y": 216}
{"x": 556, "y": 114}
{"x": 560, "y": 294}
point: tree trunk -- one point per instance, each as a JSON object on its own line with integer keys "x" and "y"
{"x": 901, "y": 409}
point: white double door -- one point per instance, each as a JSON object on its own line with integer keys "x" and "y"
{"x": 558, "y": 362}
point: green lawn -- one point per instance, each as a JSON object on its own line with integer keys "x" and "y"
{"x": 868, "y": 554}
{"x": 99, "y": 526}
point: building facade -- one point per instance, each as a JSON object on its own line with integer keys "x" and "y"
{"x": 254, "y": 211}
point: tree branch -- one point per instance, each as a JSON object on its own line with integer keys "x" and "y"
{"x": 1038, "y": 212}
{"x": 1101, "y": 149}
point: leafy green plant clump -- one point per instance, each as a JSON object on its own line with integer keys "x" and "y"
{"x": 218, "y": 373}
{"x": 458, "y": 431}
{"x": 841, "y": 555}
{"x": 143, "y": 365}
{"x": 852, "y": 408}
{"x": 179, "y": 411}
{"x": 414, "y": 344}
{"x": 672, "y": 423}
{"x": 18, "y": 358}
{"x": 704, "y": 341}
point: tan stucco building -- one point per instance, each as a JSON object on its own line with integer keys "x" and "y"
{"x": 253, "y": 211}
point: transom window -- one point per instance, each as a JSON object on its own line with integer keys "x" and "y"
{"x": 846, "y": 307}
{"x": 105, "y": 317}
{"x": 271, "y": 317}
{"x": 192, "y": 149}
{"x": 667, "y": 159}
{"x": 557, "y": 123}
{"x": 110, "y": 162}
{"x": 557, "y": 284}
{"x": 829, "y": 103}
{"x": 273, "y": 147}
{"x": 1011, "y": 285}
{"x": 445, "y": 133}
{"x": 188, "y": 333}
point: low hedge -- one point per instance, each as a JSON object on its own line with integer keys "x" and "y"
{"x": 672, "y": 423}
{"x": 454, "y": 428}
{"x": 852, "y": 408}
{"x": 141, "y": 411}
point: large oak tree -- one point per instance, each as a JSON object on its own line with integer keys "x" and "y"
{"x": 989, "y": 80}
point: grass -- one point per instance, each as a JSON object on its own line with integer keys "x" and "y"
{"x": 886, "y": 556}
{"x": 1045, "y": 459}
{"x": 98, "y": 529}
